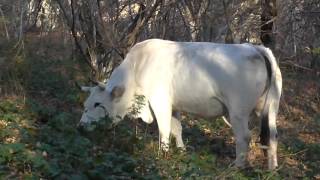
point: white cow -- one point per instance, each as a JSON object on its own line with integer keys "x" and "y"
{"x": 203, "y": 78}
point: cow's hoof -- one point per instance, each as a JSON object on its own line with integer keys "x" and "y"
{"x": 272, "y": 162}
{"x": 182, "y": 149}
{"x": 272, "y": 167}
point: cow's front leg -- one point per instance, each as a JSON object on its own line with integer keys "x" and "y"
{"x": 242, "y": 135}
{"x": 164, "y": 130}
{"x": 163, "y": 113}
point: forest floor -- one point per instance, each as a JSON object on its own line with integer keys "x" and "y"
{"x": 40, "y": 107}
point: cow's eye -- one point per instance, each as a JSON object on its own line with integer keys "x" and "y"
{"x": 97, "y": 104}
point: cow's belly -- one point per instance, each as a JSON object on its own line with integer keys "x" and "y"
{"x": 206, "y": 108}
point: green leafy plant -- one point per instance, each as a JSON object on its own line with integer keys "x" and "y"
{"x": 39, "y": 137}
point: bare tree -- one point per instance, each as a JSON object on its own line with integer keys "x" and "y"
{"x": 104, "y": 30}
{"x": 269, "y": 12}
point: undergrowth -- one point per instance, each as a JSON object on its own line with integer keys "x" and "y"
{"x": 57, "y": 150}
{"x": 39, "y": 137}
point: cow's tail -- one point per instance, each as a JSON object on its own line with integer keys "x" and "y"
{"x": 268, "y": 132}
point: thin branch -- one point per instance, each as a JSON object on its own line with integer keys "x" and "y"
{"x": 74, "y": 34}
{"x": 4, "y": 24}
{"x": 36, "y": 16}
{"x": 21, "y": 20}
{"x": 295, "y": 65}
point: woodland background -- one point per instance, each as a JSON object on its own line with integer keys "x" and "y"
{"x": 48, "y": 47}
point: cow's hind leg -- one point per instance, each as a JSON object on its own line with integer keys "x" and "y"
{"x": 241, "y": 131}
{"x": 273, "y": 143}
{"x": 176, "y": 131}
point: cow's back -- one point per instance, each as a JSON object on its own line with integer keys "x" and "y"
{"x": 200, "y": 75}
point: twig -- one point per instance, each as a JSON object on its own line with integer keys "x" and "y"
{"x": 296, "y": 65}
{"x": 270, "y": 21}
{"x": 293, "y": 154}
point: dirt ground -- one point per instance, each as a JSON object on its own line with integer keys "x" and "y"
{"x": 299, "y": 124}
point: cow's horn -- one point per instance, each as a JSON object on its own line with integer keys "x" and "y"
{"x": 85, "y": 88}
{"x": 101, "y": 85}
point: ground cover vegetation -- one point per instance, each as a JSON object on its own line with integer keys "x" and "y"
{"x": 49, "y": 47}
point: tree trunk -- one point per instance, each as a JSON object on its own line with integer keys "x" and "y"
{"x": 267, "y": 18}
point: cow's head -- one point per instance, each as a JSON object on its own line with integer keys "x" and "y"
{"x": 104, "y": 101}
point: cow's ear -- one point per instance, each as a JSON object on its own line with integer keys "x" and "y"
{"x": 85, "y": 88}
{"x": 117, "y": 92}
